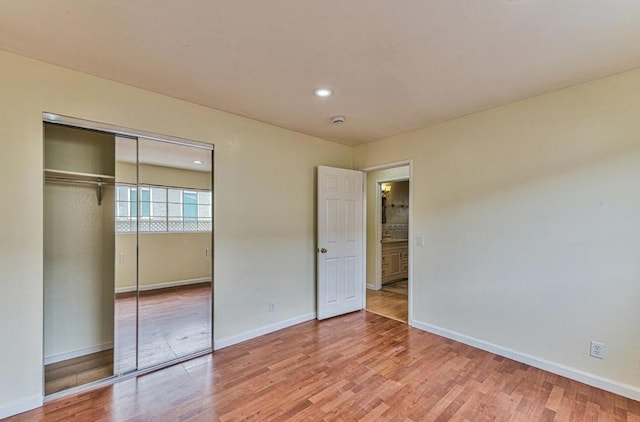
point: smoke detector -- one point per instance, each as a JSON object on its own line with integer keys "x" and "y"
{"x": 338, "y": 119}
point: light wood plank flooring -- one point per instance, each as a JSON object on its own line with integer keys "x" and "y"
{"x": 78, "y": 371}
{"x": 355, "y": 367}
{"x": 173, "y": 322}
{"x": 401, "y": 287}
{"x": 388, "y": 304}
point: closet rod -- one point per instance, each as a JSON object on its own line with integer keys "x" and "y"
{"x": 98, "y": 182}
{"x": 78, "y": 181}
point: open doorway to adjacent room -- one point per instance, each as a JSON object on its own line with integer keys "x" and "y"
{"x": 388, "y": 246}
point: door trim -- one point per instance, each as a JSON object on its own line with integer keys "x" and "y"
{"x": 366, "y": 171}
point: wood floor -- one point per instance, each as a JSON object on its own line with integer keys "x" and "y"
{"x": 355, "y": 367}
{"x": 78, "y": 371}
{"x": 401, "y": 286}
{"x": 388, "y": 304}
{"x": 174, "y": 322}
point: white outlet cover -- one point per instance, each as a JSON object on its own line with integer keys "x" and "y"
{"x": 597, "y": 350}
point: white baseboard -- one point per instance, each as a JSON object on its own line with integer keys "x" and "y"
{"x": 371, "y": 286}
{"x": 77, "y": 353}
{"x": 593, "y": 380}
{"x": 163, "y": 285}
{"x": 20, "y": 406}
{"x": 248, "y": 335}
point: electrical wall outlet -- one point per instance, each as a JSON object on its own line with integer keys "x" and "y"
{"x": 597, "y": 349}
{"x": 272, "y": 307}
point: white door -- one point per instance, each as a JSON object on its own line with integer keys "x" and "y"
{"x": 340, "y": 241}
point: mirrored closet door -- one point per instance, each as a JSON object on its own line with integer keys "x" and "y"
{"x": 174, "y": 243}
{"x": 128, "y": 254}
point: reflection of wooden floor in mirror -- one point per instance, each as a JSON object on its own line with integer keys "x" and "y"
{"x": 173, "y": 322}
{"x": 388, "y": 304}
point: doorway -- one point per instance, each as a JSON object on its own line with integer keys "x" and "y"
{"x": 388, "y": 246}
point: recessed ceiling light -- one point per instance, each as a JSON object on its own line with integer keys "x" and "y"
{"x": 323, "y": 92}
{"x": 197, "y": 162}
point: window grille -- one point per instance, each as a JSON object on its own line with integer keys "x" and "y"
{"x": 162, "y": 209}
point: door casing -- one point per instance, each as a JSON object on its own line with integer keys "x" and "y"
{"x": 378, "y": 252}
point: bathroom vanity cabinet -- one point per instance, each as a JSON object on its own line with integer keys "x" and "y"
{"x": 395, "y": 260}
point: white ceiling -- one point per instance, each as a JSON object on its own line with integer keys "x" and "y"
{"x": 393, "y": 65}
{"x": 163, "y": 154}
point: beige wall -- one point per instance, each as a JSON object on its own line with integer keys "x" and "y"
{"x": 264, "y": 206}
{"x": 165, "y": 258}
{"x": 78, "y": 246}
{"x": 530, "y": 214}
{"x": 78, "y": 150}
{"x": 78, "y": 270}
{"x": 373, "y": 217}
{"x": 166, "y": 176}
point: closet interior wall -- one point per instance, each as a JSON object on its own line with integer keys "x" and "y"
{"x": 79, "y": 248}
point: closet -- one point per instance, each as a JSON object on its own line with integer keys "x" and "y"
{"x": 128, "y": 236}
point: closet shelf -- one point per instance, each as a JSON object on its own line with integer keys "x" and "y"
{"x": 74, "y": 175}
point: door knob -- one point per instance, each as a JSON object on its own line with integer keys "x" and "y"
{"x": 323, "y": 250}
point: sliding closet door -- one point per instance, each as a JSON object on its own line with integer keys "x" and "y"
{"x": 126, "y": 256}
{"x": 174, "y": 251}
{"x": 127, "y": 252}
